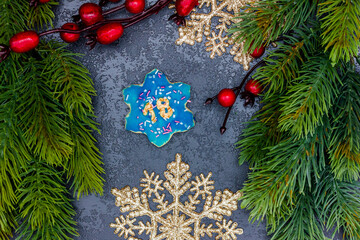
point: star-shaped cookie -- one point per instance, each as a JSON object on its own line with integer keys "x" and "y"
{"x": 158, "y": 108}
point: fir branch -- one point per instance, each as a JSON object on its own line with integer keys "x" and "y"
{"x": 14, "y": 152}
{"x": 70, "y": 80}
{"x": 339, "y": 203}
{"x": 266, "y": 20}
{"x": 9, "y": 162}
{"x": 85, "y": 163}
{"x": 286, "y": 172}
{"x": 302, "y": 224}
{"x": 283, "y": 64}
{"x": 32, "y": 117}
{"x": 41, "y": 117}
{"x": 260, "y": 134}
{"x": 344, "y": 146}
{"x": 262, "y": 199}
{"x": 42, "y": 15}
{"x": 340, "y": 20}
{"x": 253, "y": 143}
{"x": 283, "y": 67}
{"x": 44, "y": 208}
{"x": 74, "y": 88}
{"x": 270, "y": 191}
{"x": 7, "y": 224}
{"x": 12, "y": 18}
{"x": 305, "y": 140}
{"x": 308, "y": 101}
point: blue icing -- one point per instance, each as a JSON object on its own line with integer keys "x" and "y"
{"x": 156, "y": 86}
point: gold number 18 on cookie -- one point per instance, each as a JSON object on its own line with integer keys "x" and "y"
{"x": 164, "y": 107}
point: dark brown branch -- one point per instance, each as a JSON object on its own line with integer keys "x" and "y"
{"x": 89, "y": 28}
{"x": 104, "y": 2}
{"x": 154, "y": 9}
{"x": 238, "y": 90}
{"x": 130, "y": 21}
{"x": 77, "y": 18}
{"x": 115, "y": 9}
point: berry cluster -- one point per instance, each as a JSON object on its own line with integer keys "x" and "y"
{"x": 91, "y": 19}
{"x": 227, "y": 97}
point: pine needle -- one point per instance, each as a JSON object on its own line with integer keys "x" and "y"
{"x": 42, "y": 118}
{"x": 265, "y": 21}
{"x": 344, "y": 145}
{"x": 340, "y": 21}
{"x": 84, "y": 166}
{"x": 42, "y": 16}
{"x": 302, "y": 224}
{"x": 74, "y": 88}
{"x": 44, "y": 208}
{"x": 308, "y": 101}
{"x": 12, "y": 18}
{"x": 46, "y": 114}
{"x": 339, "y": 203}
{"x": 14, "y": 152}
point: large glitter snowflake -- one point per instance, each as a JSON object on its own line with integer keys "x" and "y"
{"x": 199, "y": 24}
{"x": 176, "y": 220}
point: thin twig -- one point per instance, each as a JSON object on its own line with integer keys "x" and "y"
{"x": 130, "y": 21}
{"x": 238, "y": 90}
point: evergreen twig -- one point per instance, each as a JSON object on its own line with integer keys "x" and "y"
{"x": 41, "y": 16}
{"x": 14, "y": 152}
{"x": 46, "y": 114}
{"x": 340, "y": 22}
{"x": 344, "y": 144}
{"x": 74, "y": 88}
{"x": 302, "y": 224}
{"x": 283, "y": 64}
{"x": 303, "y": 145}
{"x": 12, "y": 18}
{"x": 42, "y": 118}
{"x": 266, "y": 21}
{"x": 339, "y": 204}
{"x": 84, "y": 166}
{"x": 44, "y": 207}
{"x": 311, "y": 98}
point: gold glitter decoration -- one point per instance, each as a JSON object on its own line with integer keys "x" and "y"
{"x": 176, "y": 220}
{"x": 217, "y": 41}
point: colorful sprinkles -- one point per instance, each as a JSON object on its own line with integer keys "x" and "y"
{"x": 156, "y": 86}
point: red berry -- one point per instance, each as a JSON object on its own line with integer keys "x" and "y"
{"x": 258, "y": 52}
{"x": 90, "y": 13}
{"x": 135, "y": 6}
{"x": 253, "y": 87}
{"x": 226, "y": 97}
{"x": 44, "y": 1}
{"x": 70, "y": 37}
{"x": 24, "y": 41}
{"x": 109, "y": 33}
{"x": 184, "y": 7}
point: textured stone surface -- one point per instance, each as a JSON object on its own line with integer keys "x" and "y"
{"x": 143, "y": 47}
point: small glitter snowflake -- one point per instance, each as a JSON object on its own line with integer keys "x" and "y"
{"x": 158, "y": 108}
{"x": 176, "y": 220}
{"x": 199, "y": 24}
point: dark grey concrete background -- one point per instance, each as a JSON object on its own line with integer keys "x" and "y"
{"x": 143, "y": 47}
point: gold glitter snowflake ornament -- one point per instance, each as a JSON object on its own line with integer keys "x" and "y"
{"x": 176, "y": 220}
{"x": 217, "y": 40}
